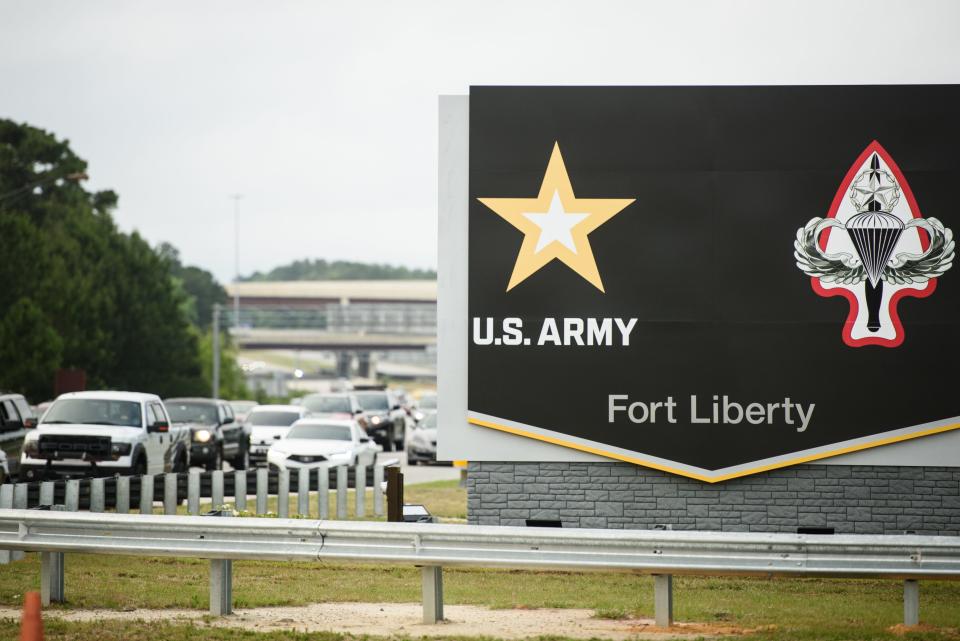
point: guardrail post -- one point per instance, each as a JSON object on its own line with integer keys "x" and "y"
{"x": 170, "y": 493}
{"x": 240, "y": 489}
{"x": 46, "y": 493}
{"x": 378, "y": 489}
{"x": 911, "y": 602}
{"x": 146, "y": 494}
{"x": 432, "y": 593}
{"x": 20, "y": 503}
{"x": 283, "y": 494}
{"x": 323, "y": 491}
{"x": 263, "y": 487}
{"x": 663, "y": 600}
{"x": 72, "y": 496}
{"x": 303, "y": 491}
{"x": 20, "y": 496}
{"x": 221, "y": 587}
{"x": 216, "y": 490}
{"x": 342, "y": 492}
{"x": 193, "y": 493}
{"x": 123, "y": 494}
{"x": 6, "y": 502}
{"x": 360, "y": 485}
{"x": 51, "y": 578}
{"x": 98, "y": 492}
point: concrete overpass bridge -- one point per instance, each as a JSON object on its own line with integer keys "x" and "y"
{"x": 348, "y": 318}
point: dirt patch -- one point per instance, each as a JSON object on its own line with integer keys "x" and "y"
{"x": 900, "y": 629}
{"x": 405, "y": 619}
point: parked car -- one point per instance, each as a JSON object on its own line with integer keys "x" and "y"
{"x": 241, "y": 409}
{"x": 340, "y": 405}
{"x": 269, "y": 423}
{"x": 426, "y": 404}
{"x": 91, "y": 434}
{"x": 422, "y": 442}
{"x": 216, "y": 436}
{"x": 313, "y": 441}
{"x": 386, "y": 418}
{"x": 16, "y": 417}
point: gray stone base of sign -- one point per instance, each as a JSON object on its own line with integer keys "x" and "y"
{"x": 849, "y": 499}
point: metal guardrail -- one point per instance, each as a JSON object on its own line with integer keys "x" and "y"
{"x": 143, "y": 493}
{"x": 433, "y": 546}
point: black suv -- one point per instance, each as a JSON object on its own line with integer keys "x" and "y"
{"x": 16, "y": 417}
{"x": 216, "y": 435}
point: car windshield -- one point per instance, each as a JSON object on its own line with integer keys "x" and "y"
{"x": 324, "y": 432}
{"x": 192, "y": 413}
{"x": 428, "y": 403}
{"x": 429, "y": 421}
{"x": 327, "y": 404}
{"x": 275, "y": 418}
{"x": 94, "y": 411}
{"x": 375, "y": 401}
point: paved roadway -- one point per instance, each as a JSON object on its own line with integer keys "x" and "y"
{"x": 412, "y": 474}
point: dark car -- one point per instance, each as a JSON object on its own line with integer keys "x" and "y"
{"x": 386, "y": 418}
{"x": 217, "y": 436}
{"x": 16, "y": 417}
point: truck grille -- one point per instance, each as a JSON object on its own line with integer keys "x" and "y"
{"x": 67, "y": 446}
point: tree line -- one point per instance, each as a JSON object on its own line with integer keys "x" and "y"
{"x": 320, "y": 269}
{"x": 76, "y": 292}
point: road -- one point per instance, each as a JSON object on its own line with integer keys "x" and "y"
{"x": 412, "y": 474}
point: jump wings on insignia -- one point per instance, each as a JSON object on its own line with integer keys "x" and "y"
{"x": 875, "y": 234}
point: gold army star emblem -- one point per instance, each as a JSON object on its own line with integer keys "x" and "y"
{"x": 555, "y": 224}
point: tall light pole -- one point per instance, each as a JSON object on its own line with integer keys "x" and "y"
{"x": 216, "y": 351}
{"x": 236, "y": 259}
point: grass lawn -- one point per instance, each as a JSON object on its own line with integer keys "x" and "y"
{"x": 799, "y": 608}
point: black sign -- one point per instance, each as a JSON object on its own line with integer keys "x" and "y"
{"x": 714, "y": 280}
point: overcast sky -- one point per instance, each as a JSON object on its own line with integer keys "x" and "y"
{"x": 324, "y": 115}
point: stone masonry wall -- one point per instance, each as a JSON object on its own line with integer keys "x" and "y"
{"x": 850, "y": 499}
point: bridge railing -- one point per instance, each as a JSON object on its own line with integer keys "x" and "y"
{"x": 377, "y": 318}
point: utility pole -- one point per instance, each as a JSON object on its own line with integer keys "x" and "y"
{"x": 216, "y": 350}
{"x": 236, "y": 259}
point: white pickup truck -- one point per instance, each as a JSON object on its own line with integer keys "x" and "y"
{"x": 91, "y": 434}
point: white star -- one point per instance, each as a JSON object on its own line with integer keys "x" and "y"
{"x": 555, "y": 224}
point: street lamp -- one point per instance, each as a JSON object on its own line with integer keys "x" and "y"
{"x": 236, "y": 259}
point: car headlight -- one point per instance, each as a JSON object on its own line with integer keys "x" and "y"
{"x": 202, "y": 436}
{"x": 120, "y": 449}
{"x": 375, "y": 420}
{"x": 31, "y": 448}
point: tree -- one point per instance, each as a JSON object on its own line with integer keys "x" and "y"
{"x": 340, "y": 270}
{"x": 199, "y": 285}
{"x": 106, "y": 296}
{"x": 29, "y": 349}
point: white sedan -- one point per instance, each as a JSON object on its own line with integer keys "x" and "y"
{"x": 312, "y": 442}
